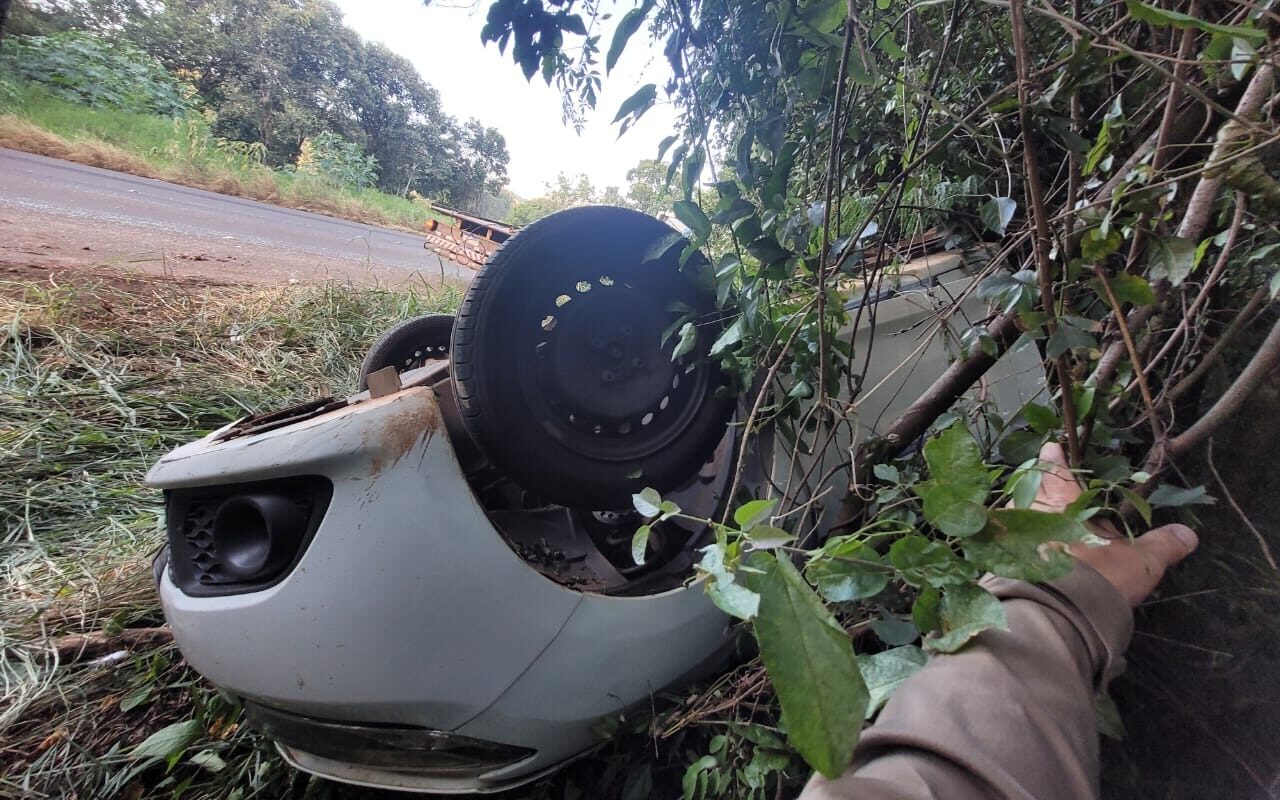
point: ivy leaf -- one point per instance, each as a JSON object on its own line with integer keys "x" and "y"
{"x": 648, "y": 502}
{"x": 1170, "y": 496}
{"x": 640, "y": 543}
{"x": 169, "y": 740}
{"x": 748, "y": 515}
{"x": 927, "y": 563}
{"x": 638, "y": 103}
{"x": 767, "y": 537}
{"x": 964, "y": 612}
{"x": 848, "y": 569}
{"x": 810, "y": 660}
{"x": 1042, "y": 419}
{"x": 1131, "y": 289}
{"x": 1025, "y": 544}
{"x": 1161, "y": 16}
{"x": 924, "y": 611}
{"x": 627, "y": 26}
{"x": 691, "y": 215}
{"x": 952, "y": 509}
{"x": 688, "y": 338}
{"x": 1140, "y": 503}
{"x": 887, "y": 472}
{"x": 1171, "y": 258}
{"x": 997, "y": 213}
{"x": 734, "y": 599}
{"x": 1069, "y": 335}
{"x": 884, "y": 672}
{"x": 955, "y": 457}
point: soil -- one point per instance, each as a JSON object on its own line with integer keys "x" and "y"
{"x": 40, "y": 245}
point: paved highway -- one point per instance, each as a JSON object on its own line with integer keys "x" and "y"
{"x": 120, "y": 215}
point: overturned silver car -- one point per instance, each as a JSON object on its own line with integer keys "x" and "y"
{"x": 429, "y": 585}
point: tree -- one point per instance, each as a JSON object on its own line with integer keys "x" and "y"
{"x": 1105, "y": 166}
{"x": 648, "y": 189}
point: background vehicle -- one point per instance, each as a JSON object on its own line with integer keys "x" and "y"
{"x": 429, "y": 585}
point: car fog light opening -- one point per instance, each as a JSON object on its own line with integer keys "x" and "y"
{"x": 257, "y": 534}
{"x": 243, "y": 537}
{"x": 395, "y": 748}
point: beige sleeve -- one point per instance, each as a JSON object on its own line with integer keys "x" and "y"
{"x": 1011, "y": 715}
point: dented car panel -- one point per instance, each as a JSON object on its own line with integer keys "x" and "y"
{"x": 404, "y": 564}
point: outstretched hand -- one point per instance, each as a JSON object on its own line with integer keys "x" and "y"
{"x": 1134, "y": 566}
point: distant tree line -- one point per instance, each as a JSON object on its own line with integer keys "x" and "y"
{"x": 280, "y": 72}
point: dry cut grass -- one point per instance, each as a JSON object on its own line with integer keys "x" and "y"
{"x": 98, "y": 377}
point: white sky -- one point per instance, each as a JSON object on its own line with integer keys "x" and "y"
{"x": 443, "y": 42}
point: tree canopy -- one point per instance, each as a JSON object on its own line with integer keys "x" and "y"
{"x": 279, "y": 72}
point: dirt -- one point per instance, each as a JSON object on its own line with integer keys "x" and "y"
{"x": 39, "y": 245}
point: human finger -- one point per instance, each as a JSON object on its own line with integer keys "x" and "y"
{"x": 1058, "y": 487}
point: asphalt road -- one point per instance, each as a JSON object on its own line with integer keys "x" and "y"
{"x": 46, "y": 193}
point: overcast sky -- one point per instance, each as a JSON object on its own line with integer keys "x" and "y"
{"x": 443, "y": 42}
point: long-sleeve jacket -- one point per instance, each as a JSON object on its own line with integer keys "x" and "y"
{"x": 1010, "y": 716}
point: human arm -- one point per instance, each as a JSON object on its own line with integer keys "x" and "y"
{"x": 1012, "y": 714}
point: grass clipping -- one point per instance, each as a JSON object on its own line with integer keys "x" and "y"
{"x": 99, "y": 377}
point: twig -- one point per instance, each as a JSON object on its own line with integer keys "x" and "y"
{"x": 77, "y": 647}
{"x": 1040, "y": 218}
{"x": 1157, "y": 429}
{"x": 1265, "y": 362}
{"x": 1257, "y": 534}
{"x": 1255, "y": 303}
{"x": 913, "y": 422}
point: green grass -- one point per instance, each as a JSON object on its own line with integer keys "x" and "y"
{"x": 183, "y": 151}
{"x": 98, "y": 379}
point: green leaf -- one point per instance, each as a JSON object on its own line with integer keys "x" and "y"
{"x": 1138, "y": 502}
{"x": 767, "y": 537}
{"x": 648, "y": 502}
{"x": 997, "y": 213}
{"x": 951, "y": 508}
{"x": 691, "y": 215}
{"x": 669, "y": 509}
{"x": 1096, "y": 245}
{"x": 1069, "y": 335}
{"x": 1025, "y": 544}
{"x": 1161, "y": 16}
{"x": 137, "y": 697}
{"x": 1275, "y": 285}
{"x": 887, "y": 472}
{"x": 172, "y": 739}
{"x": 688, "y": 338}
{"x": 731, "y": 336}
{"x": 209, "y": 760}
{"x": 660, "y": 247}
{"x": 884, "y": 672}
{"x": 1042, "y": 419}
{"x": 748, "y": 515}
{"x": 640, "y": 543}
{"x": 927, "y": 563}
{"x": 811, "y": 662}
{"x": 848, "y": 569}
{"x": 1132, "y": 289}
{"x": 1171, "y": 258}
{"x": 955, "y": 457}
{"x": 924, "y": 611}
{"x": 637, "y": 103}
{"x": 1170, "y": 496}
{"x": 627, "y": 26}
{"x": 965, "y": 611}
{"x": 734, "y": 599}
{"x": 1024, "y": 483}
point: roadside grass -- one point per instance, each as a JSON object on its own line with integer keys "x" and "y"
{"x": 98, "y": 377}
{"x": 183, "y": 151}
